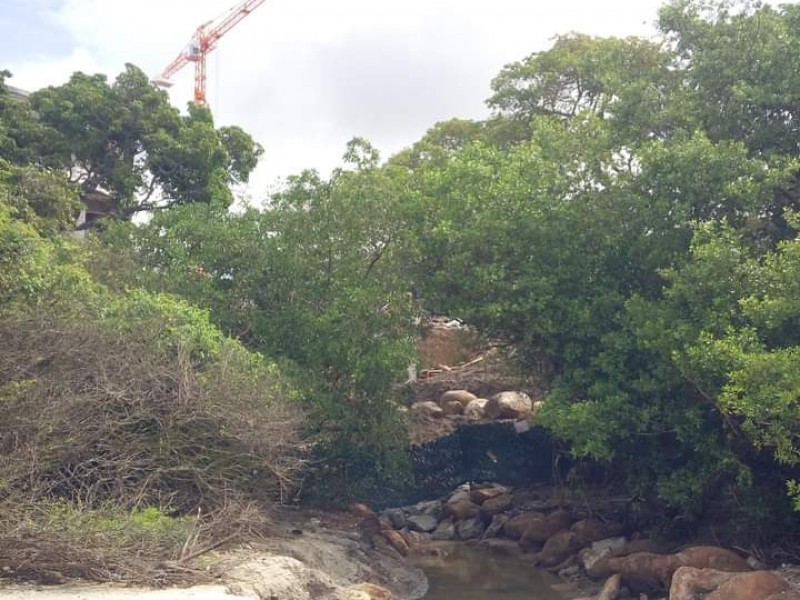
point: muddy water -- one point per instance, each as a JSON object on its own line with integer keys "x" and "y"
{"x": 467, "y": 573}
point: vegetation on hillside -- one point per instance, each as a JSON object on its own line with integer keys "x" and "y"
{"x": 627, "y": 217}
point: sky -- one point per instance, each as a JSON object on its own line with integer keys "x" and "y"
{"x": 305, "y": 76}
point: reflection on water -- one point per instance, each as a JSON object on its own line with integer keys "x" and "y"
{"x": 468, "y": 573}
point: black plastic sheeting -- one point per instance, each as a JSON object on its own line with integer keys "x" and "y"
{"x": 482, "y": 452}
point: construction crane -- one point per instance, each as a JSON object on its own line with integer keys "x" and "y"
{"x": 203, "y": 41}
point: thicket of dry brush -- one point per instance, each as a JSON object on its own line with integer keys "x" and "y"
{"x": 99, "y": 424}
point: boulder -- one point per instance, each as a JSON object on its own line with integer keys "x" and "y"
{"x": 538, "y": 532}
{"x": 463, "y": 397}
{"x": 496, "y": 526}
{"x": 689, "y": 583}
{"x": 396, "y": 541}
{"x": 516, "y": 526}
{"x": 452, "y": 407}
{"x": 787, "y": 595}
{"x": 502, "y": 547}
{"x": 365, "y": 591}
{"x": 445, "y": 530}
{"x": 560, "y": 517}
{"x": 557, "y": 549}
{"x": 422, "y": 523}
{"x": 461, "y": 493}
{"x": 645, "y": 571}
{"x": 611, "y": 589}
{"x": 476, "y": 409}
{"x": 494, "y": 506}
{"x": 481, "y": 495}
{"x": 589, "y": 556}
{"x": 396, "y": 517}
{"x": 470, "y": 529}
{"x": 593, "y": 530}
{"x": 429, "y": 410}
{"x": 460, "y": 510}
{"x": 509, "y": 405}
{"x": 432, "y": 508}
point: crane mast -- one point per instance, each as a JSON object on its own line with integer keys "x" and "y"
{"x": 203, "y": 41}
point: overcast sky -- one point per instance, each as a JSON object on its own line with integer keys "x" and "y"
{"x": 305, "y": 76}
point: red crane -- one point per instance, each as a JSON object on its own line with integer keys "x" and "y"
{"x": 203, "y": 41}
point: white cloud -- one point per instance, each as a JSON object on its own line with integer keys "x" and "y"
{"x": 303, "y": 76}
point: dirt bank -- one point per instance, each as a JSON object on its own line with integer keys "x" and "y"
{"x": 311, "y": 556}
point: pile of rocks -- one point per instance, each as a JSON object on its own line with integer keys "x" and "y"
{"x": 465, "y": 404}
{"x": 532, "y": 525}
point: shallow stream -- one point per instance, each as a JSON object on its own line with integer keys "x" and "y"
{"x": 467, "y": 573}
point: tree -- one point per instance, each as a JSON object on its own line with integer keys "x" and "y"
{"x": 125, "y": 139}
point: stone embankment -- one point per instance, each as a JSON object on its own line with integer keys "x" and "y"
{"x": 591, "y": 549}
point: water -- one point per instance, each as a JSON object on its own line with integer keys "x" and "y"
{"x": 468, "y": 573}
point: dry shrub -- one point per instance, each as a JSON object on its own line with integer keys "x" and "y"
{"x": 102, "y": 426}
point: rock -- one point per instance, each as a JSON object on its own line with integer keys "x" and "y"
{"x": 612, "y": 588}
{"x": 481, "y": 495}
{"x": 396, "y": 541}
{"x": 49, "y": 577}
{"x": 593, "y": 530}
{"x": 787, "y": 595}
{"x": 496, "y": 526}
{"x": 422, "y": 523}
{"x": 429, "y": 410}
{"x": 494, "y": 506}
{"x": 641, "y": 545}
{"x": 452, "y": 407}
{"x": 589, "y": 556}
{"x": 463, "y": 397}
{"x": 557, "y": 549}
{"x": 463, "y": 509}
{"x": 360, "y": 510}
{"x": 459, "y": 494}
{"x": 476, "y": 409}
{"x": 509, "y": 405}
{"x": 365, "y": 591}
{"x": 431, "y": 508}
{"x": 689, "y": 583}
{"x": 446, "y": 530}
{"x": 755, "y": 585}
{"x": 396, "y": 517}
{"x": 470, "y": 529}
{"x": 502, "y": 547}
{"x": 645, "y": 571}
{"x": 516, "y": 526}
{"x": 538, "y": 532}
{"x": 712, "y": 557}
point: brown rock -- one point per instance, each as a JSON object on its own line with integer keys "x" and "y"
{"x": 360, "y": 510}
{"x": 538, "y": 532}
{"x": 645, "y": 571}
{"x": 463, "y": 397}
{"x": 429, "y": 410}
{"x": 509, "y": 405}
{"x": 712, "y": 557}
{"x": 370, "y": 591}
{"x": 561, "y": 518}
{"x": 503, "y": 547}
{"x": 593, "y": 530}
{"x": 557, "y": 549}
{"x": 611, "y": 589}
{"x": 481, "y": 495}
{"x": 494, "y": 506}
{"x": 476, "y": 409}
{"x": 516, "y": 526}
{"x": 787, "y": 595}
{"x": 689, "y": 583}
{"x": 755, "y": 585}
{"x": 452, "y": 407}
{"x": 396, "y": 541}
{"x": 459, "y": 510}
{"x": 496, "y": 526}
